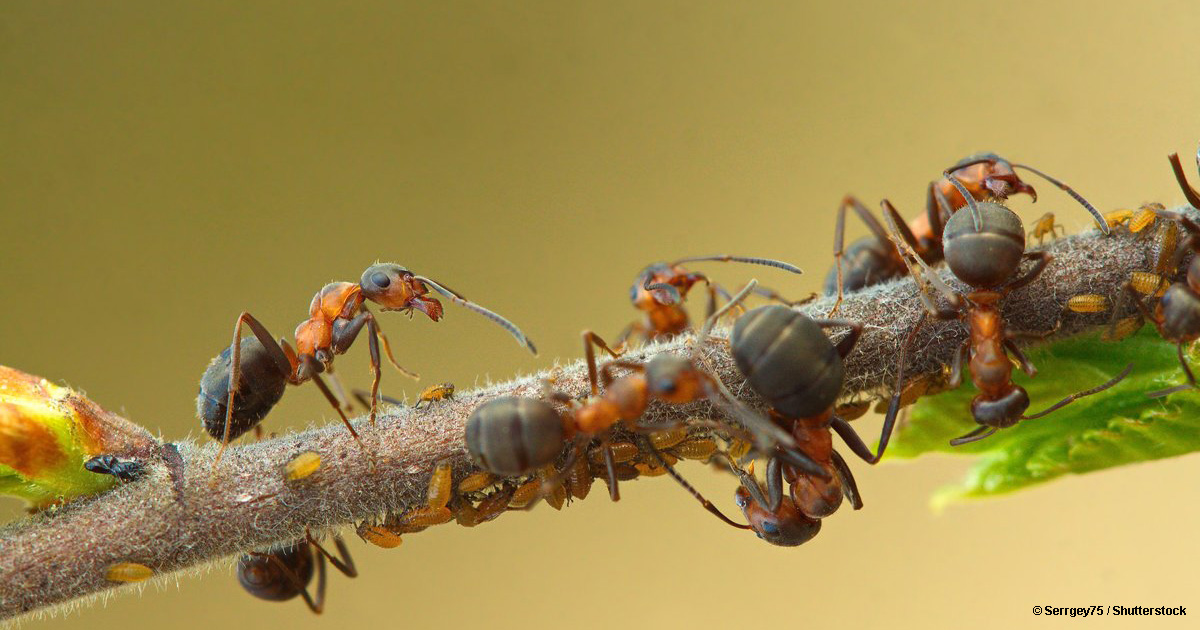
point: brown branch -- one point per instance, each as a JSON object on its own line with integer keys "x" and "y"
{"x": 61, "y": 555}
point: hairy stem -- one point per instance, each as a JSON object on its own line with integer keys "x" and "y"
{"x": 175, "y": 518}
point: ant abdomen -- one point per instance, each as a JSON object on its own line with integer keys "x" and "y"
{"x": 260, "y": 386}
{"x": 788, "y": 360}
{"x": 263, "y": 575}
{"x": 988, "y": 256}
{"x": 512, "y": 436}
{"x": 865, "y": 262}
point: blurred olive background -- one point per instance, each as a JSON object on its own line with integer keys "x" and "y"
{"x": 164, "y": 166}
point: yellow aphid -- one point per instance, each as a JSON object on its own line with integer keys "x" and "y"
{"x": 1148, "y": 283}
{"x": 441, "y": 485}
{"x": 668, "y": 438}
{"x": 302, "y": 465}
{"x": 1144, "y": 217}
{"x": 441, "y": 391}
{"x": 696, "y": 448}
{"x": 1087, "y": 303}
{"x": 379, "y": 536}
{"x": 476, "y": 481}
{"x": 427, "y": 516}
{"x": 1117, "y": 217}
{"x": 557, "y": 496}
{"x": 1122, "y": 328}
{"x": 128, "y": 572}
{"x": 621, "y": 452}
{"x": 738, "y": 448}
{"x": 1045, "y": 226}
{"x": 526, "y": 492}
{"x": 650, "y": 470}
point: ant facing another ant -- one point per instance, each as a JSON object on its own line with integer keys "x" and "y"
{"x": 259, "y": 368}
{"x": 874, "y": 259}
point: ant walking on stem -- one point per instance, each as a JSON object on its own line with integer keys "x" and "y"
{"x": 984, "y": 249}
{"x": 241, "y": 385}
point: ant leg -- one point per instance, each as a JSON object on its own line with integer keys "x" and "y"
{"x": 1071, "y": 191}
{"x": 974, "y": 436}
{"x": 775, "y": 296}
{"x": 345, "y": 564}
{"x": 708, "y": 505}
{"x": 1077, "y": 395}
{"x": 1189, "y": 193}
{"x": 281, "y": 359}
{"x": 338, "y": 389}
{"x": 921, "y": 272}
{"x": 591, "y": 341}
{"x": 731, "y": 304}
{"x": 363, "y": 398}
{"x": 1026, "y": 364}
{"x": 839, "y": 239}
{"x": 956, "y": 367}
{"x": 846, "y": 344}
{"x": 320, "y": 383}
{"x": 614, "y": 491}
{"x": 1187, "y": 371}
{"x": 849, "y": 486}
{"x": 1043, "y": 259}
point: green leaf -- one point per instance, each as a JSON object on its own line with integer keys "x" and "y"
{"x": 1116, "y": 427}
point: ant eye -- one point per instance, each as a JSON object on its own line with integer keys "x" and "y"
{"x": 380, "y": 280}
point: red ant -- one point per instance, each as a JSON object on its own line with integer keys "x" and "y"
{"x": 337, "y": 315}
{"x": 660, "y": 289}
{"x": 874, "y": 259}
{"x": 514, "y": 436}
{"x": 282, "y": 573}
{"x": 984, "y": 249}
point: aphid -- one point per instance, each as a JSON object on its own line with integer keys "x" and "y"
{"x": 436, "y": 511}
{"x": 663, "y": 440}
{"x": 661, "y": 288}
{"x": 441, "y": 391}
{"x": 513, "y": 436}
{"x": 1087, "y": 303}
{"x": 302, "y": 465}
{"x": 260, "y": 368}
{"x": 1045, "y": 226}
{"x": 476, "y": 481}
{"x": 696, "y": 448}
{"x": 984, "y": 249}
{"x": 125, "y": 470}
{"x": 874, "y": 259}
{"x": 128, "y": 572}
{"x": 1135, "y": 220}
{"x": 282, "y": 573}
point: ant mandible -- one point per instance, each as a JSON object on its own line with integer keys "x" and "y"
{"x": 514, "y": 436}
{"x": 984, "y": 249}
{"x": 873, "y": 259}
{"x": 282, "y": 573}
{"x": 247, "y": 379}
{"x": 1177, "y": 314}
{"x": 660, "y": 289}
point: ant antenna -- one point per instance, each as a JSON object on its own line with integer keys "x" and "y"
{"x": 778, "y": 264}
{"x": 708, "y": 505}
{"x": 467, "y": 304}
{"x": 1071, "y": 191}
{"x": 1190, "y": 193}
{"x": 1077, "y": 395}
{"x": 962, "y": 189}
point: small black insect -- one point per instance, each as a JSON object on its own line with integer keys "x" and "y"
{"x": 125, "y": 470}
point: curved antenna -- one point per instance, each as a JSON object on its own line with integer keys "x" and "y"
{"x": 708, "y": 505}
{"x": 778, "y": 264}
{"x": 1077, "y": 395}
{"x": 654, "y": 288}
{"x": 974, "y": 436}
{"x": 1071, "y": 191}
{"x": 1188, "y": 192}
{"x": 467, "y": 304}
{"x": 962, "y": 189}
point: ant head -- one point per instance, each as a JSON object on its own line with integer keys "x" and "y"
{"x": 1002, "y": 412}
{"x": 672, "y": 378}
{"x": 989, "y": 256}
{"x": 660, "y": 284}
{"x": 265, "y": 575}
{"x": 785, "y": 527}
{"x": 394, "y": 288}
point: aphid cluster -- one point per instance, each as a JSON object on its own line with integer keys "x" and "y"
{"x": 551, "y": 447}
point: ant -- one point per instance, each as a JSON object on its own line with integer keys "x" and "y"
{"x": 984, "y": 249}
{"x": 660, "y": 289}
{"x": 787, "y": 358}
{"x": 282, "y": 573}
{"x": 259, "y": 368}
{"x": 873, "y": 259}
{"x": 1177, "y": 314}
{"x": 514, "y": 436}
